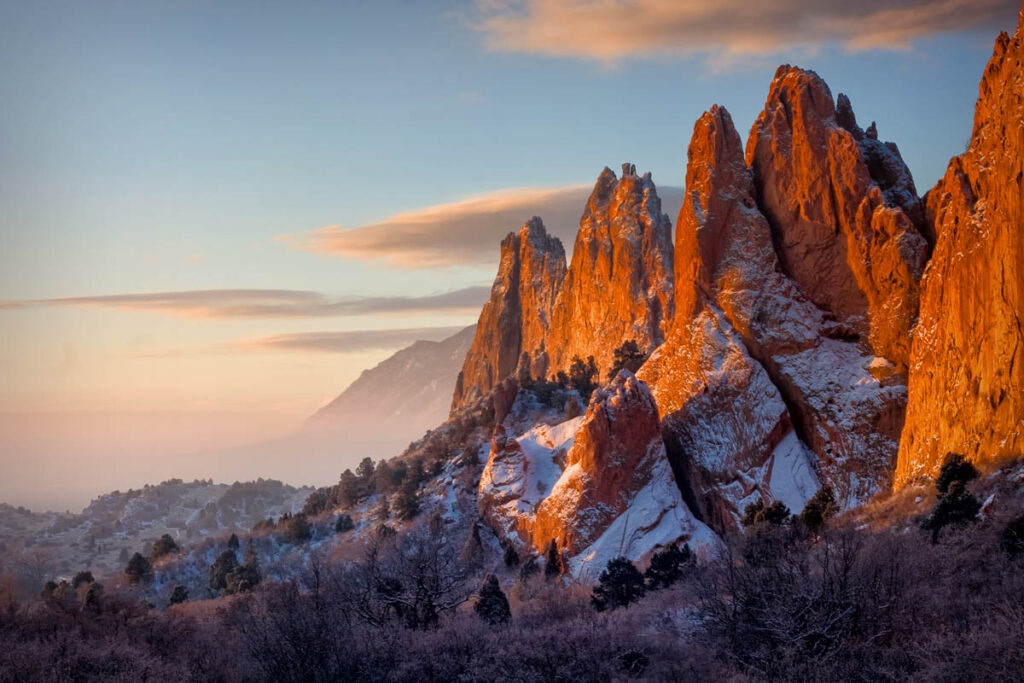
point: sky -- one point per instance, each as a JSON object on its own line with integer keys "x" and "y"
{"x": 214, "y": 215}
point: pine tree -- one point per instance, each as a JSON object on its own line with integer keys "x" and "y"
{"x": 757, "y": 513}
{"x": 407, "y": 502}
{"x": 298, "y": 529}
{"x": 92, "y": 601}
{"x": 225, "y": 563}
{"x": 245, "y": 576}
{"x": 510, "y": 556}
{"x": 619, "y": 584}
{"x": 233, "y": 542}
{"x": 820, "y": 508}
{"x": 344, "y": 524}
{"x": 472, "y": 554}
{"x": 138, "y": 569}
{"x": 492, "y": 605}
{"x": 178, "y": 595}
{"x": 348, "y": 492}
{"x": 164, "y": 545}
{"x": 82, "y": 577}
{"x": 667, "y": 566}
{"x": 955, "y": 504}
{"x": 627, "y": 357}
{"x": 553, "y": 566}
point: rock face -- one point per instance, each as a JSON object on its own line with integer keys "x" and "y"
{"x": 763, "y": 391}
{"x": 517, "y": 316}
{"x": 619, "y": 285}
{"x": 599, "y": 485}
{"x": 842, "y": 207}
{"x": 967, "y": 368}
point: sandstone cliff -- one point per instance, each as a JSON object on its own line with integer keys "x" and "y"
{"x": 517, "y": 316}
{"x": 967, "y": 367}
{"x": 599, "y": 485}
{"x": 619, "y": 284}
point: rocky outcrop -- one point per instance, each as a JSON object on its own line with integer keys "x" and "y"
{"x": 967, "y": 367}
{"x": 517, "y": 316}
{"x": 599, "y": 485}
{"x": 619, "y": 284}
{"x": 842, "y": 207}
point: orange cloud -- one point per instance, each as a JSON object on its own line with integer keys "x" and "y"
{"x": 269, "y": 303}
{"x": 609, "y": 30}
{"x": 461, "y": 233}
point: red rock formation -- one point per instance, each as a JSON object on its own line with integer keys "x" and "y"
{"x": 619, "y": 284}
{"x": 967, "y": 369}
{"x": 517, "y": 316}
{"x": 599, "y": 485}
{"x": 842, "y": 209}
{"x": 751, "y": 357}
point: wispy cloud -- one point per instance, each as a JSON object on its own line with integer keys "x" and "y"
{"x": 609, "y": 30}
{"x": 269, "y": 303}
{"x": 460, "y": 233}
{"x": 344, "y": 342}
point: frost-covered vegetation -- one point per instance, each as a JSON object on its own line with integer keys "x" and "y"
{"x": 811, "y": 596}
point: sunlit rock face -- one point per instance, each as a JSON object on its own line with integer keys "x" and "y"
{"x": 842, "y": 207}
{"x": 797, "y": 270}
{"x": 517, "y": 316}
{"x": 599, "y": 485}
{"x": 619, "y": 284}
{"x": 967, "y": 364}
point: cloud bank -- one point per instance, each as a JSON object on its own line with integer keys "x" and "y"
{"x": 345, "y": 342}
{"x": 462, "y": 233}
{"x": 270, "y": 303}
{"x": 609, "y": 30}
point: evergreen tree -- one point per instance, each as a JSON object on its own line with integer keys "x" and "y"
{"x": 344, "y": 524}
{"x": 553, "y": 566}
{"x": 365, "y": 471}
{"x": 820, "y": 508}
{"x": 298, "y": 530}
{"x": 757, "y": 513}
{"x": 667, "y": 566}
{"x": 955, "y": 469}
{"x": 138, "y": 569}
{"x": 492, "y": 605}
{"x": 627, "y": 357}
{"x": 233, "y": 542}
{"x": 164, "y": 545}
{"x": 955, "y": 504}
{"x": 382, "y": 513}
{"x": 225, "y": 563}
{"x": 472, "y": 555}
{"x": 82, "y": 577}
{"x": 619, "y": 584}
{"x": 529, "y": 568}
{"x": 510, "y": 556}
{"x": 583, "y": 376}
{"x": 93, "y": 598}
{"x": 407, "y": 503}
{"x": 245, "y": 576}
{"x": 178, "y": 595}
{"x": 348, "y": 489}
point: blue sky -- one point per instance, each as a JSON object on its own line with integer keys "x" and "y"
{"x": 151, "y": 147}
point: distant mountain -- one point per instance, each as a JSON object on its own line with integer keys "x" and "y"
{"x": 403, "y": 396}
